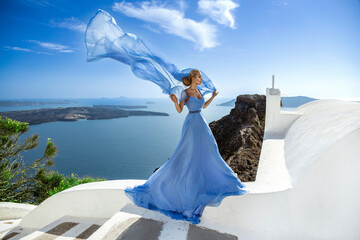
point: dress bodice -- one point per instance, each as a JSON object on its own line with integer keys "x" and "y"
{"x": 194, "y": 104}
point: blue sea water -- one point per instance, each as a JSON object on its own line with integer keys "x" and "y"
{"x": 123, "y": 148}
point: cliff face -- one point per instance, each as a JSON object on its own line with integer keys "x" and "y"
{"x": 239, "y": 135}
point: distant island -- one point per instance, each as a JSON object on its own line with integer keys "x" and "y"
{"x": 121, "y": 97}
{"x": 230, "y": 103}
{"x": 296, "y": 101}
{"x": 45, "y": 115}
{"x": 33, "y": 103}
{"x": 120, "y": 106}
{"x": 286, "y": 101}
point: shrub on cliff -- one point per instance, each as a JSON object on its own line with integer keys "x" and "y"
{"x": 17, "y": 181}
{"x": 51, "y": 182}
{"x": 30, "y": 182}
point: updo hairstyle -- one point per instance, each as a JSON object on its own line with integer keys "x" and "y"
{"x": 187, "y": 80}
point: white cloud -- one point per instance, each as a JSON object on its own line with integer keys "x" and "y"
{"x": 42, "y": 3}
{"x": 20, "y": 49}
{"x": 219, "y": 10}
{"x": 53, "y": 46}
{"x": 172, "y": 21}
{"x": 182, "y": 5}
{"x": 151, "y": 28}
{"x": 281, "y": 3}
{"x": 69, "y": 23}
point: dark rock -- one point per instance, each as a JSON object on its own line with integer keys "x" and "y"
{"x": 239, "y": 135}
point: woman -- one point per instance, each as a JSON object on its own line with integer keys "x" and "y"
{"x": 195, "y": 176}
{"x": 197, "y": 80}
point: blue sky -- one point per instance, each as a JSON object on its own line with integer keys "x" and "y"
{"x": 312, "y": 46}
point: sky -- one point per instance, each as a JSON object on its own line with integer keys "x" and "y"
{"x": 311, "y": 46}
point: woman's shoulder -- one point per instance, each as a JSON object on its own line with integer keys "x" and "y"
{"x": 184, "y": 95}
{"x": 189, "y": 90}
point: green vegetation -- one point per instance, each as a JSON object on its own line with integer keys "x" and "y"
{"x": 51, "y": 182}
{"x": 22, "y": 181}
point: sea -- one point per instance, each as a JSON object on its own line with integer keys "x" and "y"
{"x": 121, "y": 148}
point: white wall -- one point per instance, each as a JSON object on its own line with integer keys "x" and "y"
{"x": 277, "y": 122}
{"x": 324, "y": 122}
{"x": 9, "y": 210}
{"x": 98, "y": 199}
{"x": 326, "y": 201}
{"x": 322, "y": 153}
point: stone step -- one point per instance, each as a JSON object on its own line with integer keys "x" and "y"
{"x": 129, "y": 226}
{"x": 196, "y": 233}
{"x": 117, "y": 224}
{"x": 67, "y": 227}
{"x": 121, "y": 226}
{"x": 7, "y": 225}
{"x": 174, "y": 230}
{"x": 141, "y": 229}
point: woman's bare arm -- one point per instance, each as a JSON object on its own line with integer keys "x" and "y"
{"x": 179, "y": 106}
{"x": 207, "y": 103}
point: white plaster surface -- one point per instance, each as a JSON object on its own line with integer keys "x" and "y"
{"x": 272, "y": 174}
{"x": 95, "y": 201}
{"x": 320, "y": 150}
{"x": 277, "y": 122}
{"x": 174, "y": 231}
{"x": 326, "y": 201}
{"x": 323, "y": 123}
{"x": 110, "y": 184}
{"x": 84, "y": 223}
{"x": 7, "y": 225}
{"x": 119, "y": 218}
{"x": 323, "y": 205}
{"x": 10, "y": 210}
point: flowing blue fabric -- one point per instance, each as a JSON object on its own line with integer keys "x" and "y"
{"x": 105, "y": 39}
{"x": 194, "y": 177}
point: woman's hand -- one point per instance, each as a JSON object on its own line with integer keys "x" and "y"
{"x": 215, "y": 93}
{"x": 173, "y": 98}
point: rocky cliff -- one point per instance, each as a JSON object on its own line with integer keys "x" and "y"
{"x": 239, "y": 135}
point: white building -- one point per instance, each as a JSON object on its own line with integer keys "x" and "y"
{"x": 307, "y": 187}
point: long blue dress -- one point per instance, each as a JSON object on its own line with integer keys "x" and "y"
{"x": 194, "y": 177}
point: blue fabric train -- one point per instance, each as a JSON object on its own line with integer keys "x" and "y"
{"x": 105, "y": 39}
{"x": 195, "y": 176}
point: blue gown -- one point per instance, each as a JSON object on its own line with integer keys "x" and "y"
{"x": 194, "y": 177}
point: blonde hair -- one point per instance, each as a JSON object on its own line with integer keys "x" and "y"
{"x": 187, "y": 80}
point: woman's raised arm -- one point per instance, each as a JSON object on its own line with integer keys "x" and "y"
{"x": 179, "y": 106}
{"x": 210, "y": 99}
